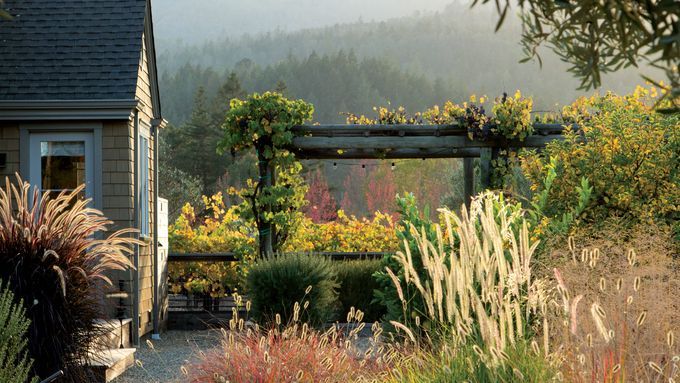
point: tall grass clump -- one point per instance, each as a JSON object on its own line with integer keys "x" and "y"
{"x": 615, "y": 328}
{"x": 274, "y": 282}
{"x": 293, "y": 352}
{"x": 15, "y": 365}
{"x": 477, "y": 290}
{"x": 53, "y": 254}
{"x": 386, "y": 294}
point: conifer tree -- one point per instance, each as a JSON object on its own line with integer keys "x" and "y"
{"x": 15, "y": 365}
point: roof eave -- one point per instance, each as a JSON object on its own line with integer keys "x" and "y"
{"x": 151, "y": 61}
{"x": 41, "y": 110}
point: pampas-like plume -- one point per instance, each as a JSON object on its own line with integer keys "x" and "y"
{"x": 485, "y": 280}
{"x": 53, "y": 250}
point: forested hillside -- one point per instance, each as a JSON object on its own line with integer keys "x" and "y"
{"x": 414, "y": 61}
{"x": 448, "y": 54}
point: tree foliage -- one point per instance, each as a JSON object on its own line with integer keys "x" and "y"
{"x": 322, "y": 206}
{"x": 263, "y": 122}
{"x": 629, "y": 155}
{"x": 598, "y": 37}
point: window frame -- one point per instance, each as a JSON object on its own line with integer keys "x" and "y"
{"x": 144, "y": 183}
{"x": 26, "y": 130}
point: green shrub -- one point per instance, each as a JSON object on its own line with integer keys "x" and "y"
{"x": 15, "y": 366}
{"x": 386, "y": 295}
{"x": 628, "y": 152}
{"x": 356, "y": 288}
{"x": 277, "y": 282}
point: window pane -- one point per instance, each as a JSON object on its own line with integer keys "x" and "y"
{"x": 144, "y": 185}
{"x": 62, "y": 165}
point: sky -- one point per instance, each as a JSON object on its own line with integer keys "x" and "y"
{"x": 193, "y": 21}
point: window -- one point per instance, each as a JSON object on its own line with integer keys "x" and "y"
{"x": 144, "y": 217}
{"x": 62, "y": 161}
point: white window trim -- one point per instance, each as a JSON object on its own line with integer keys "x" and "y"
{"x": 144, "y": 195}
{"x": 57, "y": 129}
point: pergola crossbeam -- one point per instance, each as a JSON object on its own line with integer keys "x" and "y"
{"x": 405, "y": 141}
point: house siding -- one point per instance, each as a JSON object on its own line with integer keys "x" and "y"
{"x": 9, "y": 144}
{"x": 146, "y": 267}
{"x": 118, "y": 195}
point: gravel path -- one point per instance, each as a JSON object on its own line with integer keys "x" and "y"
{"x": 162, "y": 363}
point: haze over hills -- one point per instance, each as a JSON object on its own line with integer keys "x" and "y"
{"x": 341, "y": 56}
{"x": 198, "y": 21}
{"x": 447, "y": 54}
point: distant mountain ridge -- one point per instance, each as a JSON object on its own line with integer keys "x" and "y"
{"x": 198, "y": 21}
{"x": 455, "y": 42}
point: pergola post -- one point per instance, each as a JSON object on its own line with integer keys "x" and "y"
{"x": 265, "y": 229}
{"x": 468, "y": 179}
{"x": 485, "y": 168}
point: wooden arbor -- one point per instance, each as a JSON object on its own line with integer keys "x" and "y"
{"x": 410, "y": 141}
{"x": 413, "y": 141}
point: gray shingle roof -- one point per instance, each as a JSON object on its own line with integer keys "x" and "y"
{"x": 71, "y": 49}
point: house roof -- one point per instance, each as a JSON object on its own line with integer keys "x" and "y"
{"x": 71, "y": 49}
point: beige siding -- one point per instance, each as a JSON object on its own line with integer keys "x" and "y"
{"x": 9, "y": 144}
{"x": 146, "y": 268}
{"x": 118, "y": 191}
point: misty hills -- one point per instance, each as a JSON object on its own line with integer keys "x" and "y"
{"x": 413, "y": 61}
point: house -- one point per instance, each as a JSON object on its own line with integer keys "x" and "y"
{"x": 79, "y": 103}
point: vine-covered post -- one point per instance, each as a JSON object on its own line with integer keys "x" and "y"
{"x": 265, "y": 228}
{"x": 264, "y": 122}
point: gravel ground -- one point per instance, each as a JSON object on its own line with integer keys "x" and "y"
{"x": 162, "y": 363}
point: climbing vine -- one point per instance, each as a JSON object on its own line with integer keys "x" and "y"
{"x": 263, "y": 122}
{"x": 510, "y": 119}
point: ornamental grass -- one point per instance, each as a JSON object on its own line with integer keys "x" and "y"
{"x": 294, "y": 352}
{"x": 617, "y": 314}
{"x": 54, "y": 255}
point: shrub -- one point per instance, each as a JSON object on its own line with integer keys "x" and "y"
{"x": 386, "y": 295}
{"x": 15, "y": 366}
{"x": 219, "y": 229}
{"x": 628, "y": 152}
{"x": 275, "y": 282}
{"x": 346, "y": 234}
{"x": 52, "y": 259}
{"x": 356, "y": 286}
{"x": 291, "y": 353}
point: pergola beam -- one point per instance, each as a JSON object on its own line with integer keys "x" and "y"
{"x": 405, "y": 141}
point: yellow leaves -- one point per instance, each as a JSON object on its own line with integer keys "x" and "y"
{"x": 625, "y": 155}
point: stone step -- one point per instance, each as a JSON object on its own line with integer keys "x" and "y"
{"x": 106, "y": 365}
{"x": 115, "y": 334}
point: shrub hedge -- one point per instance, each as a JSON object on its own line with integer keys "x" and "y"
{"x": 357, "y": 285}
{"x": 276, "y": 283}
